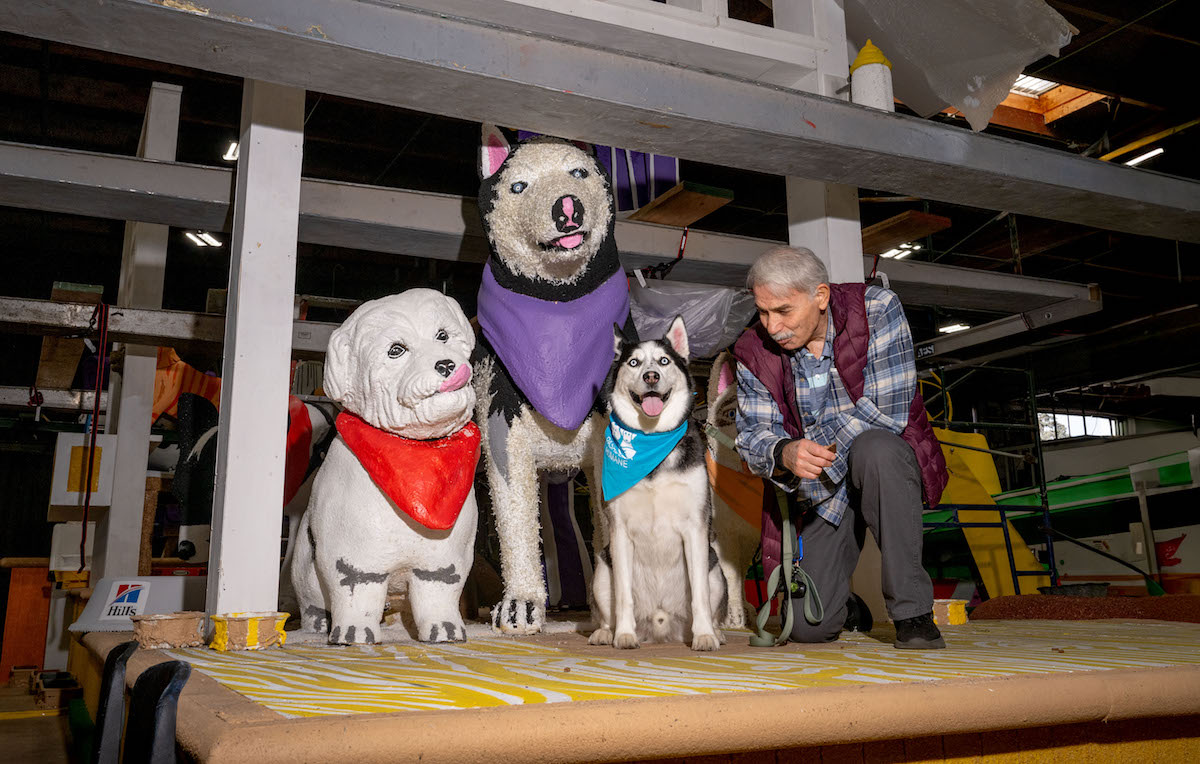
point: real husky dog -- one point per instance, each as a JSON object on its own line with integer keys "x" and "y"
{"x": 657, "y": 578}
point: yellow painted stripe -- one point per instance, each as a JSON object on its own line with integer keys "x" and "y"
{"x": 33, "y": 713}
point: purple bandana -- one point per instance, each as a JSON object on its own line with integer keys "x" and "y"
{"x": 558, "y": 353}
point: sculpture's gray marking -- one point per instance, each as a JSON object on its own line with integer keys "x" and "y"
{"x": 336, "y": 636}
{"x": 446, "y": 575}
{"x": 352, "y": 576}
{"x": 320, "y": 617}
{"x": 349, "y": 633}
{"x": 370, "y": 635}
{"x": 433, "y": 633}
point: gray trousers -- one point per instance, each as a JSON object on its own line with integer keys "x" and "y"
{"x": 885, "y": 496}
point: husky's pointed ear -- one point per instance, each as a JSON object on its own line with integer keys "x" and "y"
{"x": 585, "y": 147}
{"x": 618, "y": 339}
{"x": 493, "y": 150}
{"x": 722, "y": 376}
{"x": 677, "y": 336}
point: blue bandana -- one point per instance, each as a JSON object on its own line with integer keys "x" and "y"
{"x": 630, "y": 455}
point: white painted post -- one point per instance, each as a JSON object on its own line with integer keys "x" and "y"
{"x": 243, "y": 572}
{"x": 131, "y": 392}
{"x": 823, "y": 216}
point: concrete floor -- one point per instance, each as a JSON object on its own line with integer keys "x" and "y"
{"x": 33, "y": 740}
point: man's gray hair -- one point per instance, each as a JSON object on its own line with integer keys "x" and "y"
{"x": 782, "y": 268}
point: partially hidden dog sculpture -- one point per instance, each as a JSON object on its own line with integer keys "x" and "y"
{"x": 657, "y": 577}
{"x": 395, "y": 496}
{"x": 736, "y": 492}
{"x": 551, "y": 291}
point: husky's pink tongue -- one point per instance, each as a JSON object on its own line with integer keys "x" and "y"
{"x": 570, "y": 242}
{"x": 652, "y": 405}
{"x": 457, "y": 379}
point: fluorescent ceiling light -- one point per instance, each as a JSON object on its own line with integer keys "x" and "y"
{"x": 1148, "y": 155}
{"x": 231, "y": 153}
{"x": 210, "y": 239}
{"x": 196, "y": 240}
{"x": 1032, "y": 86}
{"x": 891, "y": 253}
{"x": 952, "y": 328}
{"x": 903, "y": 254}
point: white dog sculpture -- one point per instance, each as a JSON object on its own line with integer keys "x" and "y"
{"x": 395, "y": 496}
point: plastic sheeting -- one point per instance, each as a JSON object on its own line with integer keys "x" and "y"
{"x": 714, "y": 316}
{"x": 961, "y": 53}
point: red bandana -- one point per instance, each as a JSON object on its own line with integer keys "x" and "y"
{"x": 427, "y": 479}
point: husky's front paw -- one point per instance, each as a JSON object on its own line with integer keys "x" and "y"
{"x": 354, "y": 634}
{"x": 443, "y": 631}
{"x": 626, "y": 641}
{"x": 601, "y": 636}
{"x": 513, "y": 615}
{"x": 705, "y": 642}
{"x": 735, "y": 618}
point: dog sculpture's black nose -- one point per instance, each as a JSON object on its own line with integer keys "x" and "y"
{"x": 444, "y": 367}
{"x": 650, "y": 378}
{"x": 567, "y": 213}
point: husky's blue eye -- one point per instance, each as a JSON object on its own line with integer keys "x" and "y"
{"x": 634, "y": 362}
{"x": 579, "y": 172}
{"x": 664, "y": 361}
{"x": 396, "y": 350}
{"x": 519, "y": 186}
{"x": 442, "y": 336}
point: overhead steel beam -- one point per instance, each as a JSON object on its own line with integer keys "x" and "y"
{"x": 172, "y": 328}
{"x": 53, "y": 400}
{"x": 472, "y": 70}
{"x": 441, "y": 226}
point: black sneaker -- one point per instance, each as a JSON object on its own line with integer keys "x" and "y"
{"x": 918, "y": 633}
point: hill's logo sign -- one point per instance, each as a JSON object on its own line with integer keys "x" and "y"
{"x": 126, "y": 598}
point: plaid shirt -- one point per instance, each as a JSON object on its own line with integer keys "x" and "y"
{"x": 889, "y": 383}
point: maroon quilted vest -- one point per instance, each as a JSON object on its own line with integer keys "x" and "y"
{"x": 763, "y": 358}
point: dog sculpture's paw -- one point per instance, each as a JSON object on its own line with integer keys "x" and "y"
{"x": 513, "y": 615}
{"x": 601, "y": 636}
{"x": 705, "y": 642}
{"x": 354, "y": 634}
{"x": 626, "y": 641}
{"x": 442, "y": 631}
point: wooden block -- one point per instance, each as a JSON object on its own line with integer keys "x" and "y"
{"x": 898, "y": 229}
{"x": 683, "y": 205}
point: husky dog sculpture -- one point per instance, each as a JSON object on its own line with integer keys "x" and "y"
{"x": 551, "y": 291}
{"x": 657, "y": 576}
{"x": 395, "y": 496}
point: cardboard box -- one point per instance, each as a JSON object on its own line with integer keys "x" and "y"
{"x": 70, "y": 474}
{"x": 55, "y": 689}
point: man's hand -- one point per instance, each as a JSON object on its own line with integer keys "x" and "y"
{"x": 805, "y": 458}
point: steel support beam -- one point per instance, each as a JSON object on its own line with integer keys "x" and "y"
{"x": 243, "y": 572}
{"x": 80, "y": 401}
{"x": 438, "y": 225}
{"x": 413, "y": 59}
{"x": 172, "y": 328}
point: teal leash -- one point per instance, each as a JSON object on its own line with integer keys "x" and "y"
{"x": 781, "y": 578}
{"x": 814, "y": 611}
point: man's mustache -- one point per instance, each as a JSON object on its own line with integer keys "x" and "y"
{"x": 783, "y": 336}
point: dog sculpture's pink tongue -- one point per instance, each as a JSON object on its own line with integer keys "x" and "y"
{"x": 569, "y": 242}
{"x": 457, "y": 379}
{"x": 652, "y": 405}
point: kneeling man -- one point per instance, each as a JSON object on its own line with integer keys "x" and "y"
{"x": 828, "y": 410}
